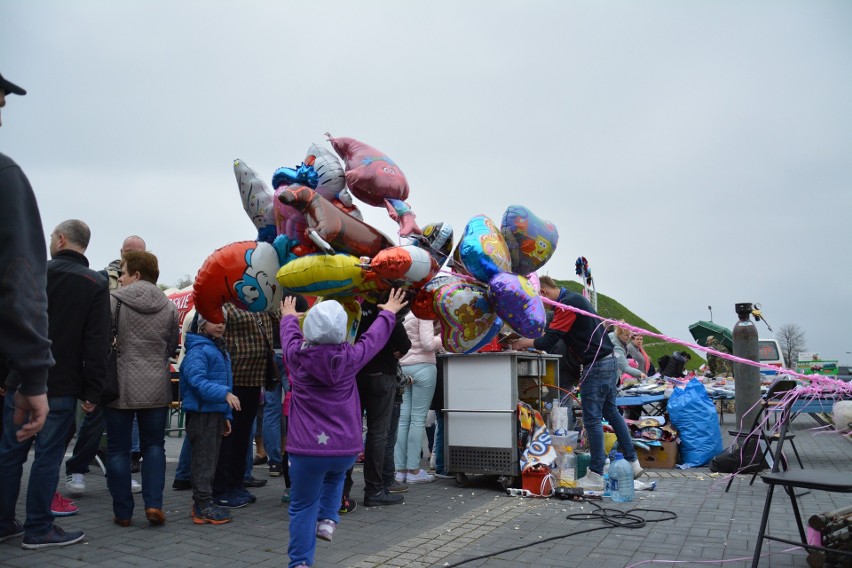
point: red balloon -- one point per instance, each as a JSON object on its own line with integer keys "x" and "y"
{"x": 242, "y": 273}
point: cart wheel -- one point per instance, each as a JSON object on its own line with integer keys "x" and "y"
{"x": 506, "y": 481}
{"x": 462, "y": 480}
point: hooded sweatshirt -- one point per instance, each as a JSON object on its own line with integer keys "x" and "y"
{"x": 147, "y": 336}
{"x": 325, "y": 411}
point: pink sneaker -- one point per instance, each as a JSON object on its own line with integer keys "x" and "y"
{"x": 62, "y": 507}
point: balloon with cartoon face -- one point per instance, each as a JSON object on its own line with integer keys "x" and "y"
{"x": 242, "y": 273}
{"x": 518, "y": 304}
{"x": 482, "y": 252}
{"x": 531, "y": 240}
{"x": 370, "y": 174}
{"x": 468, "y": 320}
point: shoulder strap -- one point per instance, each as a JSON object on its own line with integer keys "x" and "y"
{"x": 115, "y": 322}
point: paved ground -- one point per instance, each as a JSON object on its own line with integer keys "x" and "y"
{"x": 441, "y": 524}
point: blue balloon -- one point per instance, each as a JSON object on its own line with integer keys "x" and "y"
{"x": 303, "y": 175}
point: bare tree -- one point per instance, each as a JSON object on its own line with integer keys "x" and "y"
{"x": 792, "y": 340}
{"x": 184, "y": 282}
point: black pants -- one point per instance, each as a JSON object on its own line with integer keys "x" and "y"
{"x": 231, "y": 466}
{"x": 388, "y": 466}
{"x": 377, "y": 395}
{"x": 204, "y": 431}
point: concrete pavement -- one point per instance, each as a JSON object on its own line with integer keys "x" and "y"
{"x": 441, "y": 524}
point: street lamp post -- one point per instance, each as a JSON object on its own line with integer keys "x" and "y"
{"x": 711, "y": 313}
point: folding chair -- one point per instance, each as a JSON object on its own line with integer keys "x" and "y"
{"x": 768, "y": 406}
{"x": 790, "y": 480}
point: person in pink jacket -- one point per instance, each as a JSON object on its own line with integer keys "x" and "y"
{"x": 420, "y": 364}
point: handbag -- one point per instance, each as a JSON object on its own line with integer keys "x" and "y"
{"x": 272, "y": 378}
{"x": 110, "y": 391}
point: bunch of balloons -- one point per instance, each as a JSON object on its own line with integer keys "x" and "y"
{"x": 312, "y": 240}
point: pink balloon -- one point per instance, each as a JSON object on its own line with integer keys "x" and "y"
{"x": 370, "y": 174}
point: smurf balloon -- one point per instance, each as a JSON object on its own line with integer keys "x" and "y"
{"x": 242, "y": 273}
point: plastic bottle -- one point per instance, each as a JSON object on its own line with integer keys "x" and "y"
{"x": 605, "y": 476}
{"x": 568, "y": 469}
{"x": 621, "y": 480}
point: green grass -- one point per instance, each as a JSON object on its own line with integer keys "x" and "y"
{"x": 612, "y": 309}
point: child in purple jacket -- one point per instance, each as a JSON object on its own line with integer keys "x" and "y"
{"x": 324, "y": 435}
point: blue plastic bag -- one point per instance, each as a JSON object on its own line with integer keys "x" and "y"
{"x": 694, "y": 415}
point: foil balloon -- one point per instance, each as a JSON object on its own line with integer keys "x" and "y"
{"x": 409, "y": 264}
{"x": 327, "y": 275}
{"x": 534, "y": 282}
{"x": 257, "y": 200}
{"x": 467, "y": 318}
{"x": 331, "y": 179}
{"x": 343, "y": 232}
{"x": 531, "y": 240}
{"x": 401, "y": 212}
{"x": 291, "y": 222}
{"x": 302, "y": 175}
{"x": 423, "y": 303}
{"x": 518, "y": 304}
{"x": 242, "y": 273}
{"x": 370, "y": 174}
{"x": 482, "y": 250}
{"x": 437, "y": 240}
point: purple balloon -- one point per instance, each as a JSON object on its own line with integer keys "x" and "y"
{"x": 518, "y": 304}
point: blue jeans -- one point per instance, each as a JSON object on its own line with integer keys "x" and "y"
{"x": 316, "y": 494}
{"x": 152, "y": 444}
{"x": 272, "y": 415}
{"x": 438, "y": 444}
{"x": 598, "y": 388}
{"x": 184, "y": 465}
{"x": 44, "y": 473}
{"x": 412, "y": 418}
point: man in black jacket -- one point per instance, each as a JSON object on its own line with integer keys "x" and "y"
{"x": 377, "y": 389}
{"x": 79, "y": 326}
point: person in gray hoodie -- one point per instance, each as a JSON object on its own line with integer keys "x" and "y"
{"x": 324, "y": 436}
{"x": 147, "y": 337}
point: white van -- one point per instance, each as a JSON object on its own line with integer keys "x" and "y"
{"x": 769, "y": 353}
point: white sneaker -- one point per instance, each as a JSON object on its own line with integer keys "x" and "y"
{"x": 637, "y": 469}
{"x": 419, "y": 477}
{"x": 400, "y": 476}
{"x": 135, "y": 486}
{"x": 591, "y": 481}
{"x": 76, "y": 483}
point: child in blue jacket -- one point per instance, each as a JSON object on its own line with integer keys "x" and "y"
{"x": 205, "y": 389}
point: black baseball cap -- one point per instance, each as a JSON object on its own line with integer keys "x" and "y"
{"x": 10, "y": 87}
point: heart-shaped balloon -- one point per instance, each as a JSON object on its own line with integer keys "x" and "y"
{"x": 518, "y": 304}
{"x": 531, "y": 241}
{"x": 482, "y": 250}
{"x": 468, "y": 320}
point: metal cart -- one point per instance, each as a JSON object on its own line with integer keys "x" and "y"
{"x": 481, "y": 392}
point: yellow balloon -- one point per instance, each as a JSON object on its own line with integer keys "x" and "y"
{"x": 322, "y": 275}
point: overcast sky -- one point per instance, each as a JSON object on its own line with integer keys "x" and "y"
{"x": 697, "y": 153}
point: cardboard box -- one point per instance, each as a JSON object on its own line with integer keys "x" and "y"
{"x": 658, "y": 457}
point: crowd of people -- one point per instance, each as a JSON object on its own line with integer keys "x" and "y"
{"x": 63, "y": 324}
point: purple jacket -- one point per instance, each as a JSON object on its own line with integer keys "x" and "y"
{"x": 325, "y": 411}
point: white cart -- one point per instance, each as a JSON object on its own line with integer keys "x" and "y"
{"x": 481, "y": 392}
